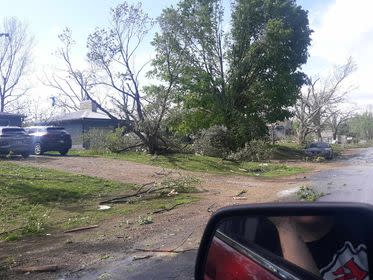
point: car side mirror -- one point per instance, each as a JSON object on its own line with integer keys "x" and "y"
{"x": 288, "y": 241}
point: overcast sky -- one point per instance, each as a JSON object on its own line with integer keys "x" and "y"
{"x": 342, "y": 28}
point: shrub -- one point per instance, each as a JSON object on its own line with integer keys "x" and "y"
{"x": 255, "y": 150}
{"x": 114, "y": 141}
{"x": 118, "y": 141}
{"x": 95, "y": 139}
{"x": 213, "y": 142}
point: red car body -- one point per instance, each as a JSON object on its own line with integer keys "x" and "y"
{"x": 225, "y": 262}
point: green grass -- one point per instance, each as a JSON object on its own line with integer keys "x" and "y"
{"x": 35, "y": 200}
{"x": 200, "y": 163}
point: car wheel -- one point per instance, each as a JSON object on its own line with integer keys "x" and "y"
{"x": 64, "y": 152}
{"x": 37, "y": 149}
{"x": 25, "y": 155}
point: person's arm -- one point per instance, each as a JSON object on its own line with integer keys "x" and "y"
{"x": 294, "y": 249}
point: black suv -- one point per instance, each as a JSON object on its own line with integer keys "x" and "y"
{"x": 14, "y": 140}
{"x": 49, "y": 138}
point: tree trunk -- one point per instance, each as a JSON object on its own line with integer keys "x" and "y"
{"x": 152, "y": 144}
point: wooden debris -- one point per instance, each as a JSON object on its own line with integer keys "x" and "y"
{"x": 175, "y": 250}
{"x": 163, "y": 251}
{"x": 167, "y": 209}
{"x": 240, "y": 198}
{"x": 209, "y": 209}
{"x": 81, "y": 229}
{"x": 241, "y": 193}
{"x": 135, "y": 258}
{"x": 125, "y": 198}
{"x": 41, "y": 268}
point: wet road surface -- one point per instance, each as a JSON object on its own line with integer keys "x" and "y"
{"x": 351, "y": 183}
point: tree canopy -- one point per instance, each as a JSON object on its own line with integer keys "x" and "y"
{"x": 242, "y": 78}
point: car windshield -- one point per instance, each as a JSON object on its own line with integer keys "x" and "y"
{"x": 145, "y": 117}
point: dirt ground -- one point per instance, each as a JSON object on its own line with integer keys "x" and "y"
{"x": 119, "y": 237}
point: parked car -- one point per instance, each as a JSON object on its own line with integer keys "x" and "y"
{"x": 49, "y": 138}
{"x": 319, "y": 149}
{"x": 14, "y": 140}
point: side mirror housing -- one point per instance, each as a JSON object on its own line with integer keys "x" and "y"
{"x": 288, "y": 241}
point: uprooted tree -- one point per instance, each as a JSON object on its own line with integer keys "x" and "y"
{"x": 15, "y": 57}
{"x": 320, "y": 100}
{"x": 111, "y": 55}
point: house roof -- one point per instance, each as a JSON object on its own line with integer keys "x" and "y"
{"x": 82, "y": 114}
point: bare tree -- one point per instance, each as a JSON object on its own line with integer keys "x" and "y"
{"x": 112, "y": 57}
{"x": 320, "y": 99}
{"x": 338, "y": 118}
{"x": 15, "y": 57}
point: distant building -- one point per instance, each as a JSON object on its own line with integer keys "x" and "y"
{"x": 80, "y": 122}
{"x": 9, "y": 119}
{"x": 280, "y": 130}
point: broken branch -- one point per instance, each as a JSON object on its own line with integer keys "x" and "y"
{"x": 167, "y": 209}
{"x": 81, "y": 228}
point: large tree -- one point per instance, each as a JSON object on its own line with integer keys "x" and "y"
{"x": 15, "y": 57}
{"x": 270, "y": 41}
{"x": 243, "y": 80}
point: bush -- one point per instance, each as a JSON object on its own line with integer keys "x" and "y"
{"x": 95, "y": 139}
{"x": 213, "y": 142}
{"x": 255, "y": 150}
{"x": 114, "y": 141}
{"x": 117, "y": 141}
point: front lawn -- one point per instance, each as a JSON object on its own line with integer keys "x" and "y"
{"x": 37, "y": 200}
{"x": 201, "y": 163}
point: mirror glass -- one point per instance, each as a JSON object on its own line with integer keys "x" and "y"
{"x": 296, "y": 247}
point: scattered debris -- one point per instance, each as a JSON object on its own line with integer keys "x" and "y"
{"x": 175, "y": 250}
{"x": 136, "y": 258}
{"x": 209, "y": 209}
{"x": 169, "y": 186}
{"x": 308, "y": 194}
{"x": 239, "y": 197}
{"x": 104, "y": 207}
{"x": 145, "y": 220}
{"x": 241, "y": 193}
{"x": 105, "y": 276}
{"x": 81, "y": 229}
{"x": 41, "y": 268}
{"x": 172, "y": 192}
{"x": 167, "y": 209}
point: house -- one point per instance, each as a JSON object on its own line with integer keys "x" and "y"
{"x": 280, "y": 129}
{"x": 80, "y": 122}
{"x": 9, "y": 119}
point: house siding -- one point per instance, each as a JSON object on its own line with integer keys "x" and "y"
{"x": 77, "y": 129}
{"x": 13, "y": 120}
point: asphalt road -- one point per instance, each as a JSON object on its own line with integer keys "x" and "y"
{"x": 351, "y": 183}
